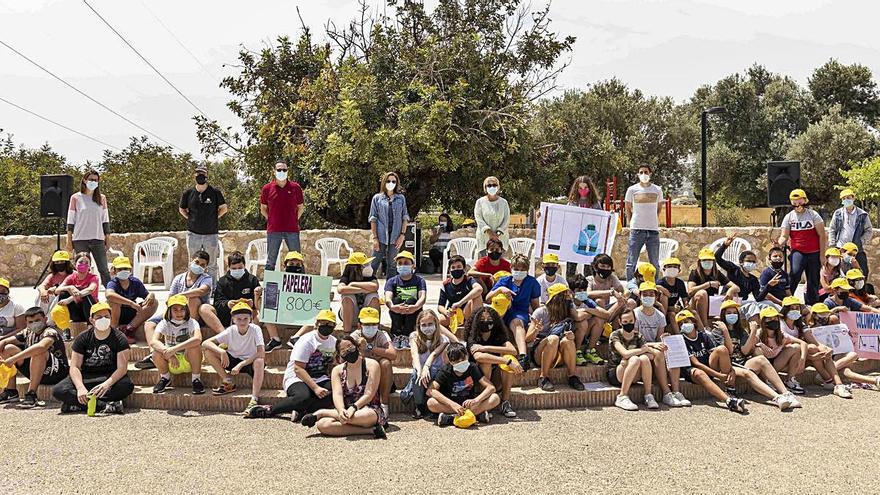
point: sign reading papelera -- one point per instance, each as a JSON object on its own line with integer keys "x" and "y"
{"x": 294, "y": 298}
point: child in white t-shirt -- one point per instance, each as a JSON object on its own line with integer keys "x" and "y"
{"x": 179, "y": 349}
{"x": 243, "y": 352}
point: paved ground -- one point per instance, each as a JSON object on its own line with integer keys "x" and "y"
{"x": 703, "y": 449}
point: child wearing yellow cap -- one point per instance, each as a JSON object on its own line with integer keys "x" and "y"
{"x": 405, "y": 295}
{"x": 358, "y": 288}
{"x": 79, "y": 291}
{"x": 376, "y": 344}
{"x": 706, "y": 281}
{"x": 60, "y": 268}
{"x": 38, "y": 352}
{"x": 550, "y": 266}
{"x": 787, "y": 354}
{"x": 176, "y": 339}
{"x": 830, "y": 270}
{"x": 454, "y": 390}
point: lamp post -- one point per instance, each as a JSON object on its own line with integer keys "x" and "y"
{"x": 704, "y": 213}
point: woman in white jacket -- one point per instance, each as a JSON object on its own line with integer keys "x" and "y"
{"x": 492, "y": 214}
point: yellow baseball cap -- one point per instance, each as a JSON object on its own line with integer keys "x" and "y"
{"x": 683, "y": 315}
{"x": 358, "y": 258}
{"x": 500, "y": 274}
{"x": 177, "y": 300}
{"x": 841, "y": 283}
{"x": 101, "y": 306}
{"x": 730, "y": 303}
{"x": 555, "y": 289}
{"x": 791, "y": 300}
{"x": 646, "y": 270}
{"x": 326, "y": 315}
{"x": 768, "y": 312}
{"x": 293, "y": 255}
{"x": 854, "y": 274}
{"x": 550, "y": 258}
{"x": 671, "y": 261}
{"x": 466, "y": 420}
{"x": 500, "y": 303}
{"x": 368, "y": 315}
{"x": 850, "y": 246}
{"x": 820, "y": 308}
{"x": 121, "y": 262}
{"x": 832, "y": 251}
{"x": 797, "y": 194}
{"x": 707, "y": 254}
{"x": 4, "y": 282}
{"x": 504, "y": 366}
{"x": 407, "y": 255}
{"x": 847, "y": 192}
{"x": 60, "y": 256}
{"x": 647, "y": 285}
{"x": 242, "y": 307}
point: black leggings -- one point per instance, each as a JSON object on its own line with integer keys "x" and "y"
{"x": 302, "y": 399}
{"x": 65, "y": 390}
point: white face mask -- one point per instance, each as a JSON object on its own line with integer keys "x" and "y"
{"x": 707, "y": 265}
{"x": 671, "y": 272}
{"x": 749, "y": 266}
{"x": 390, "y": 185}
{"x": 492, "y": 190}
{"x": 102, "y": 324}
{"x": 462, "y": 366}
{"x": 367, "y": 270}
{"x": 859, "y": 284}
{"x": 428, "y": 330}
{"x": 370, "y": 331}
{"x": 644, "y": 178}
{"x": 833, "y": 260}
{"x": 648, "y": 301}
{"x": 519, "y": 275}
{"x": 91, "y": 185}
{"x": 687, "y": 327}
{"x": 123, "y": 274}
{"x": 176, "y": 321}
{"x": 280, "y": 175}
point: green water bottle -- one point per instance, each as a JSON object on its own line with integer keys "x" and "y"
{"x": 93, "y": 404}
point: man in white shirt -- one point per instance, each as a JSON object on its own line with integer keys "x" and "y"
{"x": 643, "y": 202}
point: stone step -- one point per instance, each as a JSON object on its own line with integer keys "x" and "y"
{"x": 278, "y": 357}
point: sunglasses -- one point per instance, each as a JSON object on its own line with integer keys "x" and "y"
{"x": 281, "y": 170}
{"x": 491, "y": 185}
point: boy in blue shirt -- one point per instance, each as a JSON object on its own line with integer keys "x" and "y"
{"x": 524, "y": 293}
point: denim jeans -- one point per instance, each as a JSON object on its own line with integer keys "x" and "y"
{"x": 811, "y": 264}
{"x": 387, "y": 253}
{"x": 273, "y": 241}
{"x": 99, "y": 252}
{"x": 638, "y": 238}
{"x": 209, "y": 243}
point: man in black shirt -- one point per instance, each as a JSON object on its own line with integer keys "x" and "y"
{"x": 202, "y": 206}
{"x": 236, "y": 285}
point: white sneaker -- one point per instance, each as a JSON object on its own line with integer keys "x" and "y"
{"x": 793, "y": 400}
{"x": 783, "y": 401}
{"x": 651, "y": 402}
{"x": 681, "y": 399}
{"x": 670, "y": 400}
{"x": 625, "y": 403}
{"x": 842, "y": 392}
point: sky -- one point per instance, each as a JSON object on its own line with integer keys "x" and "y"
{"x": 663, "y": 47}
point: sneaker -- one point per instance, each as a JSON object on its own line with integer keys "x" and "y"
{"x": 682, "y": 400}
{"x": 257, "y": 412}
{"x": 736, "y": 405}
{"x": 128, "y": 331}
{"x": 579, "y": 359}
{"x": 594, "y": 357}
{"x": 829, "y": 385}
{"x": 145, "y": 363}
{"x": 65, "y": 335}
{"x": 404, "y": 342}
{"x": 545, "y": 384}
{"x": 161, "y": 385}
{"x": 842, "y": 392}
{"x": 484, "y": 417}
{"x": 113, "y": 407}
{"x": 8, "y": 395}
{"x": 198, "y": 387}
{"x": 29, "y": 401}
{"x": 379, "y": 432}
{"x": 294, "y": 417}
{"x": 794, "y": 402}
{"x": 525, "y": 362}
{"x": 731, "y": 391}
{"x": 444, "y": 419}
{"x": 72, "y": 408}
{"x": 251, "y": 404}
{"x": 224, "y": 388}
{"x": 783, "y": 401}
{"x": 292, "y": 342}
{"x": 625, "y": 403}
{"x": 670, "y": 400}
{"x": 651, "y": 402}
{"x": 309, "y": 420}
{"x": 507, "y": 410}
{"x": 575, "y": 383}
{"x": 418, "y": 414}
{"x": 273, "y": 344}
{"x": 793, "y": 385}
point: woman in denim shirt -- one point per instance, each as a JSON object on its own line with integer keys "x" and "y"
{"x": 388, "y": 220}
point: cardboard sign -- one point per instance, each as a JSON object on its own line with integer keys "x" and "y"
{"x": 834, "y": 336}
{"x": 864, "y": 331}
{"x": 294, "y": 298}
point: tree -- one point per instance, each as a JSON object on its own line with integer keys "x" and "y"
{"x": 850, "y": 86}
{"x": 863, "y": 178}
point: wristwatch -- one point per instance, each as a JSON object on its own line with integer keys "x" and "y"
{"x": 369, "y": 347}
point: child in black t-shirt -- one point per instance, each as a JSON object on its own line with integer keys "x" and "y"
{"x": 459, "y": 291}
{"x": 674, "y": 291}
{"x": 453, "y": 389}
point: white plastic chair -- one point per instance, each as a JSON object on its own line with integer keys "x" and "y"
{"x": 668, "y": 247}
{"x": 525, "y": 247}
{"x": 167, "y": 238}
{"x": 151, "y": 254}
{"x": 465, "y": 247}
{"x": 736, "y": 247}
{"x": 330, "y": 249}
{"x": 221, "y": 259}
{"x": 111, "y": 254}
{"x": 261, "y": 248}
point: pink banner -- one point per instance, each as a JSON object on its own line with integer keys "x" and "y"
{"x": 864, "y": 331}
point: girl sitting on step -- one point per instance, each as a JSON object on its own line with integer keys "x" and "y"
{"x": 491, "y": 345}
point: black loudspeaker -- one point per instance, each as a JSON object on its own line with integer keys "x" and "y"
{"x": 412, "y": 242}
{"x": 55, "y": 195}
{"x": 782, "y": 178}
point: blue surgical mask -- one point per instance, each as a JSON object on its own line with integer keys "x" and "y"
{"x": 91, "y": 185}
{"x": 687, "y": 327}
{"x": 706, "y": 264}
{"x": 404, "y": 269}
{"x": 749, "y": 266}
{"x": 236, "y": 273}
{"x": 581, "y": 296}
{"x": 196, "y": 269}
{"x": 280, "y": 175}
{"x": 793, "y": 315}
{"x": 848, "y": 202}
{"x": 123, "y": 274}
{"x": 731, "y": 318}
{"x": 648, "y": 301}
{"x": 461, "y": 367}
{"x": 519, "y": 274}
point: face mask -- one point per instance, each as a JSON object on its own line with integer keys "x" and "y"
{"x": 603, "y": 272}
{"x": 833, "y": 260}
{"x": 82, "y": 267}
{"x": 404, "y": 269}
{"x": 492, "y": 190}
{"x": 707, "y": 265}
{"x": 457, "y": 273}
{"x": 91, "y": 185}
{"x": 486, "y": 326}
{"x": 581, "y": 296}
{"x": 123, "y": 275}
{"x": 687, "y": 327}
{"x": 793, "y": 315}
{"x": 59, "y": 267}
{"x": 644, "y": 178}
{"x": 175, "y": 321}
{"x": 583, "y": 191}
{"x": 848, "y": 202}
{"x": 102, "y": 324}
{"x": 844, "y": 296}
{"x": 859, "y": 284}
{"x": 196, "y": 269}
{"x": 367, "y": 271}
{"x": 428, "y": 330}
{"x": 551, "y": 270}
{"x": 772, "y": 324}
{"x": 443, "y": 225}
{"x": 648, "y": 301}
{"x": 461, "y": 367}
{"x": 777, "y": 264}
{"x": 628, "y": 327}
{"x": 749, "y": 266}
{"x": 280, "y": 175}
{"x": 201, "y": 180}
{"x": 369, "y": 331}
{"x": 325, "y": 330}
{"x": 390, "y": 185}
{"x": 670, "y": 272}
{"x": 519, "y": 274}
{"x": 236, "y": 273}
{"x": 294, "y": 269}
{"x": 847, "y": 258}
{"x": 494, "y": 255}
{"x": 37, "y": 326}
{"x": 351, "y": 356}
{"x": 731, "y": 318}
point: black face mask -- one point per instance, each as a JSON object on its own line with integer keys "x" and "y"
{"x": 777, "y": 264}
{"x": 603, "y": 272}
{"x": 325, "y": 330}
{"x": 457, "y": 273}
{"x": 843, "y": 296}
{"x": 772, "y": 324}
{"x": 351, "y": 356}
{"x": 486, "y": 326}
{"x": 628, "y": 327}
{"x": 495, "y": 255}
{"x": 551, "y": 270}
{"x": 294, "y": 269}
{"x": 59, "y": 267}
{"x": 201, "y": 180}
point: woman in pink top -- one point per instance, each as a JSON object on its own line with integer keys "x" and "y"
{"x": 88, "y": 222}
{"x": 78, "y": 292}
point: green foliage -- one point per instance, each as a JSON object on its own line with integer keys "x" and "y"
{"x": 728, "y": 217}
{"x": 852, "y": 87}
{"x": 863, "y": 178}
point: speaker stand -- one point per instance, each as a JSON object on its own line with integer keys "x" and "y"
{"x": 57, "y": 248}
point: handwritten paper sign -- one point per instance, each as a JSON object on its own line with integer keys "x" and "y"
{"x": 294, "y": 298}
{"x": 864, "y": 332}
{"x": 676, "y": 352}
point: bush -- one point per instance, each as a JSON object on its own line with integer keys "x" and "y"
{"x": 733, "y": 216}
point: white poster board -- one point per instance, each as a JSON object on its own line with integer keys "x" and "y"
{"x": 715, "y": 304}
{"x": 573, "y": 233}
{"x": 834, "y": 336}
{"x": 676, "y": 351}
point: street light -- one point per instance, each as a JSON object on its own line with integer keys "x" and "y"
{"x": 704, "y": 213}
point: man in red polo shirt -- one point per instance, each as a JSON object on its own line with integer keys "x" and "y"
{"x": 281, "y": 204}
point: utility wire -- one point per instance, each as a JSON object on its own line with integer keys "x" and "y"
{"x": 90, "y": 98}
{"x": 4, "y": 100}
{"x": 187, "y": 50}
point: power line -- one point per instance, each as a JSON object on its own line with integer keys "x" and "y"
{"x": 90, "y": 98}
{"x": 171, "y": 33}
{"x": 145, "y": 59}
{"x": 4, "y": 100}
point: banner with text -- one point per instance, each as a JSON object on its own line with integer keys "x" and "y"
{"x": 864, "y": 330}
{"x": 294, "y": 298}
{"x": 575, "y": 234}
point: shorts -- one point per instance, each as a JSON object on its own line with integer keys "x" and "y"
{"x": 233, "y": 362}
{"x": 516, "y": 315}
{"x": 79, "y": 311}
{"x": 611, "y": 374}
{"x": 686, "y": 373}
{"x": 156, "y": 319}
{"x": 360, "y": 301}
{"x": 55, "y": 370}
{"x": 126, "y": 314}
{"x": 460, "y": 400}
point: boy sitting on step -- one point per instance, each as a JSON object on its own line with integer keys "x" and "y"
{"x": 39, "y": 354}
{"x": 453, "y": 389}
{"x": 244, "y": 352}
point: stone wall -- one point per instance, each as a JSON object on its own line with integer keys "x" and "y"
{"x": 23, "y": 257}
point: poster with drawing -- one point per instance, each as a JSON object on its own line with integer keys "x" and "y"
{"x": 834, "y": 336}
{"x": 574, "y": 234}
{"x": 864, "y": 330}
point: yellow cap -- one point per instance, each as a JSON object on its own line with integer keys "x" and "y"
{"x": 407, "y": 255}
{"x": 368, "y": 315}
{"x": 121, "y": 262}
{"x": 832, "y": 251}
{"x": 841, "y": 283}
{"x": 850, "y": 246}
{"x": 671, "y": 261}
{"x": 101, "y": 306}
{"x": 326, "y": 315}
{"x": 730, "y": 303}
{"x": 820, "y": 308}
{"x": 358, "y": 258}
{"x": 797, "y": 194}
{"x": 683, "y": 315}
{"x": 242, "y": 307}
{"x": 646, "y": 270}
{"x": 555, "y": 289}
{"x": 500, "y": 303}
{"x": 60, "y": 256}
{"x": 177, "y": 300}
{"x": 791, "y": 300}
{"x": 4, "y": 282}
{"x": 768, "y": 312}
{"x": 707, "y": 254}
{"x": 847, "y": 192}
{"x": 293, "y": 255}
{"x": 61, "y": 317}
{"x": 504, "y": 366}
{"x": 550, "y": 258}
{"x": 647, "y": 285}
{"x": 500, "y": 274}
{"x": 466, "y": 420}
{"x": 182, "y": 367}
{"x": 854, "y": 274}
